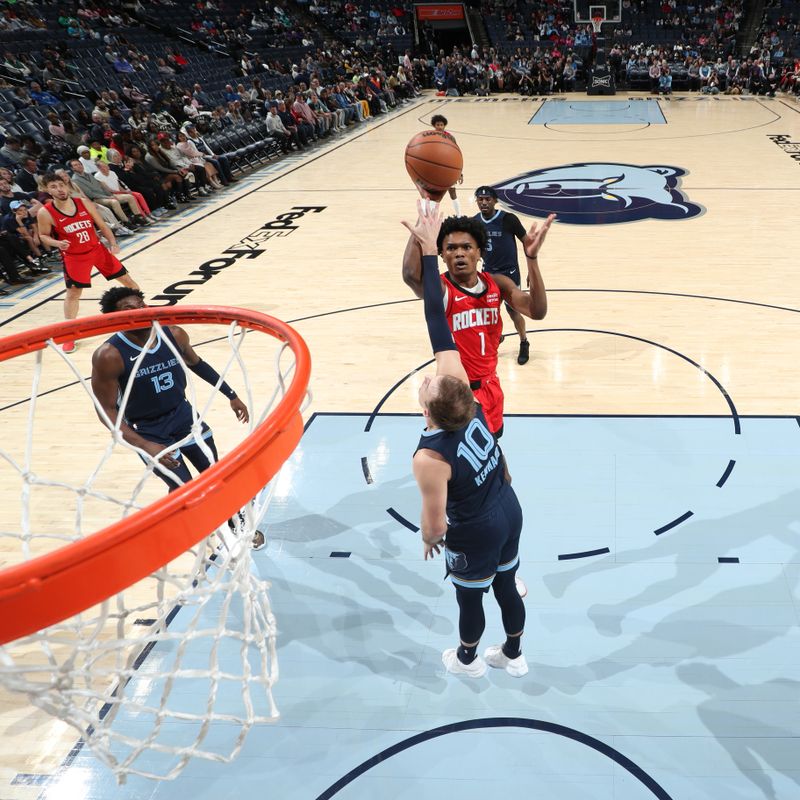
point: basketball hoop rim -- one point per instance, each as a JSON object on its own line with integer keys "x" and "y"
{"x": 51, "y": 588}
{"x": 597, "y": 23}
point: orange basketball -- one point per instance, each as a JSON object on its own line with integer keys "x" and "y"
{"x": 434, "y": 160}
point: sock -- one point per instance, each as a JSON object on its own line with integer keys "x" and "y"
{"x": 511, "y": 648}
{"x": 466, "y": 655}
{"x": 457, "y": 207}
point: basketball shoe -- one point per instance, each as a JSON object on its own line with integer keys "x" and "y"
{"x": 476, "y": 669}
{"x": 495, "y": 657}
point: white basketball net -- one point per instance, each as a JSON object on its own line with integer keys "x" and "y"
{"x": 146, "y": 676}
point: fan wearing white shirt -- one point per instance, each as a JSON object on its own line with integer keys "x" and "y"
{"x": 114, "y": 185}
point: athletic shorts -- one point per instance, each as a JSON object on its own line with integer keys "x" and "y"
{"x": 78, "y": 268}
{"x": 515, "y": 276}
{"x": 477, "y": 550}
{"x": 490, "y": 396}
{"x": 170, "y": 427}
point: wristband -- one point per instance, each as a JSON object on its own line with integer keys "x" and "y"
{"x": 210, "y": 375}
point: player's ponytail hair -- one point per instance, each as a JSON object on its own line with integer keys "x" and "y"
{"x": 453, "y": 405}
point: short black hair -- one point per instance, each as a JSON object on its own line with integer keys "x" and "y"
{"x": 470, "y": 225}
{"x": 438, "y": 118}
{"x": 486, "y": 190}
{"x": 109, "y": 300}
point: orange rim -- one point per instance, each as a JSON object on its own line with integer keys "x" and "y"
{"x": 51, "y": 588}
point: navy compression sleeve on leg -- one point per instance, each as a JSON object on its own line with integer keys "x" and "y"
{"x": 438, "y": 329}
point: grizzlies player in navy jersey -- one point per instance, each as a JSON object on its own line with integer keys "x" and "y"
{"x": 157, "y": 413}
{"x": 468, "y": 505}
{"x": 500, "y": 255}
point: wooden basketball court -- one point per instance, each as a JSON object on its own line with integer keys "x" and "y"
{"x": 668, "y": 313}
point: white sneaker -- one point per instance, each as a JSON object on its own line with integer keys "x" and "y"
{"x": 121, "y": 230}
{"x": 477, "y": 669}
{"x": 495, "y": 657}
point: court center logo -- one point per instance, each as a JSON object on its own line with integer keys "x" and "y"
{"x": 599, "y": 193}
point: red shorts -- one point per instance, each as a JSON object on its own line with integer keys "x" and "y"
{"x": 78, "y": 268}
{"x": 490, "y": 396}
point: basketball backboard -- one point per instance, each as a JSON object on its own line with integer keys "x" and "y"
{"x": 608, "y": 10}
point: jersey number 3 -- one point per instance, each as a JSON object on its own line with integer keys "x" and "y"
{"x": 477, "y": 444}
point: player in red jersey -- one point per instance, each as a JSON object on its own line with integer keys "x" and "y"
{"x": 473, "y": 299}
{"x": 68, "y": 223}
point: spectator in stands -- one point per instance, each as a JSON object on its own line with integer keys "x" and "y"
{"x": 10, "y": 194}
{"x": 298, "y": 129}
{"x": 276, "y": 129}
{"x": 20, "y": 226}
{"x": 164, "y": 68}
{"x": 15, "y": 67}
{"x": 26, "y": 176}
{"x": 180, "y": 163}
{"x": 220, "y": 162}
{"x": 110, "y": 180}
{"x": 21, "y": 98}
{"x": 195, "y": 158}
{"x": 98, "y": 193}
{"x": 11, "y": 151}
{"x": 122, "y": 66}
{"x": 133, "y": 93}
{"x": 203, "y": 100}
{"x": 170, "y": 183}
{"x": 233, "y": 113}
{"x": 138, "y": 180}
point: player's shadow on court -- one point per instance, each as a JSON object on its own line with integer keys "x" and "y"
{"x": 342, "y": 627}
{"x": 777, "y": 519}
{"x": 750, "y": 741}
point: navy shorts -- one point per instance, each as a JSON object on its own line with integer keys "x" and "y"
{"x": 171, "y": 427}
{"x": 514, "y": 274}
{"x": 477, "y": 550}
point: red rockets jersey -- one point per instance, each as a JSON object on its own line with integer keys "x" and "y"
{"x": 77, "y": 229}
{"x": 475, "y": 323}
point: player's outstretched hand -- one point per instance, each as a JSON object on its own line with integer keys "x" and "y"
{"x": 426, "y": 228}
{"x": 240, "y": 409}
{"x": 433, "y": 550}
{"x": 114, "y": 248}
{"x": 535, "y": 237}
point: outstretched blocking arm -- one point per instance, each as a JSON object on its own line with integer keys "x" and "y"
{"x": 532, "y": 303}
{"x": 207, "y": 372}
{"x": 425, "y": 232}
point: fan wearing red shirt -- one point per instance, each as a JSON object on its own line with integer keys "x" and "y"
{"x": 473, "y": 298}
{"x": 68, "y": 223}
